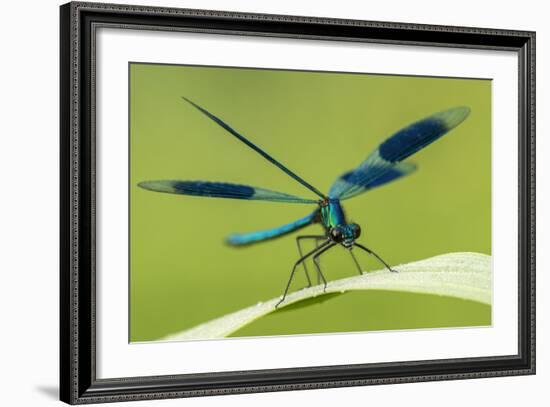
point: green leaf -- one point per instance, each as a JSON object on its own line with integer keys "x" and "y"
{"x": 461, "y": 275}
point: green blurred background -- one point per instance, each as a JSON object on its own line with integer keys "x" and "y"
{"x": 319, "y": 125}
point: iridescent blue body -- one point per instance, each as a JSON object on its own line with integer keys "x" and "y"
{"x": 332, "y": 214}
{"x": 383, "y": 165}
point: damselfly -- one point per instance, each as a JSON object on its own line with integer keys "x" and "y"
{"x": 383, "y": 165}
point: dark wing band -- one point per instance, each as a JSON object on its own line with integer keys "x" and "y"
{"x": 221, "y": 190}
{"x": 398, "y": 147}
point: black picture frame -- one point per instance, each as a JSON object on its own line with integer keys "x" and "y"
{"x": 78, "y": 382}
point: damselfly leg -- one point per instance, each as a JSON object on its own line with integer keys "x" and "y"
{"x": 318, "y": 265}
{"x": 298, "y": 240}
{"x": 356, "y": 262}
{"x": 298, "y": 262}
{"x": 369, "y": 251}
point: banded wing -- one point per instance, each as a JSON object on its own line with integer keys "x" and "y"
{"x": 354, "y": 179}
{"x": 382, "y": 165}
{"x": 242, "y": 239}
{"x": 221, "y": 190}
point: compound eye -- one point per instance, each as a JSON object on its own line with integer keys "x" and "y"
{"x": 336, "y": 234}
{"x": 356, "y": 231}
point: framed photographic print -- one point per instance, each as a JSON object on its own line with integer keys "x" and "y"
{"x": 256, "y": 203}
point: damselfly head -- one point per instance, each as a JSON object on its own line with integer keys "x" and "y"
{"x": 346, "y": 234}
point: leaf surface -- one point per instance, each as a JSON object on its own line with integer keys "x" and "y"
{"x": 460, "y": 275}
